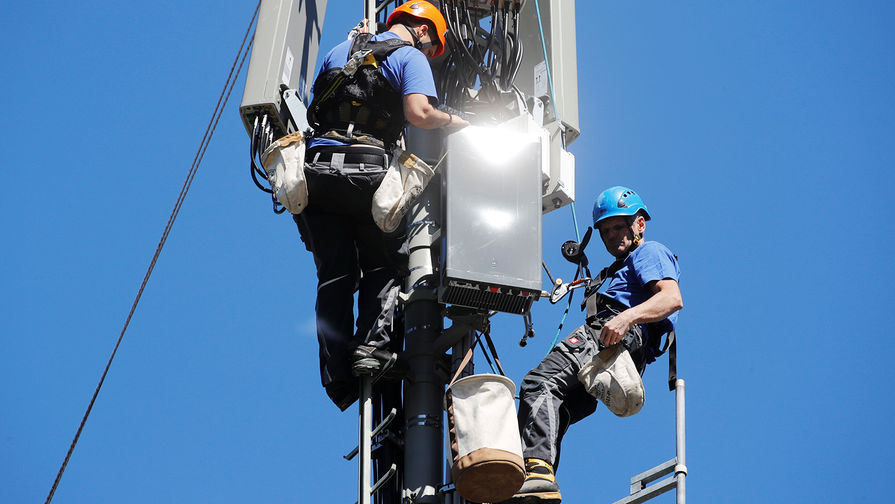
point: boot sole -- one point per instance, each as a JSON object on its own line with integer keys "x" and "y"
{"x": 536, "y": 498}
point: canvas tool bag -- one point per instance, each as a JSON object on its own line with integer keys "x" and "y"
{"x": 404, "y": 181}
{"x": 483, "y": 432}
{"x": 612, "y": 377}
{"x": 284, "y": 162}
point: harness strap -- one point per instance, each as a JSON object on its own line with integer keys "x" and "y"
{"x": 671, "y": 347}
{"x": 362, "y": 52}
{"x": 604, "y": 275}
{"x": 591, "y": 291}
{"x": 350, "y": 157}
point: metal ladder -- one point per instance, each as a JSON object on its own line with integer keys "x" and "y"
{"x": 641, "y": 489}
{"x": 366, "y": 434}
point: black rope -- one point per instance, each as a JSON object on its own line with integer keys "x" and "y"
{"x": 200, "y": 153}
{"x": 481, "y": 344}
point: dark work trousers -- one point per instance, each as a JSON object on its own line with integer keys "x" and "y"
{"x": 352, "y": 255}
{"x": 551, "y": 398}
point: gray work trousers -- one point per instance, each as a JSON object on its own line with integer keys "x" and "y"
{"x": 551, "y": 398}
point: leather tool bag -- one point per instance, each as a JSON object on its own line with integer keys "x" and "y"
{"x": 483, "y": 432}
{"x": 404, "y": 181}
{"x": 284, "y": 162}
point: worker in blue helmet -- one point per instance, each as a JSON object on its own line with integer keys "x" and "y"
{"x": 635, "y": 304}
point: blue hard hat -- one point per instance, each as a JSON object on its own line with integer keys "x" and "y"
{"x": 616, "y": 201}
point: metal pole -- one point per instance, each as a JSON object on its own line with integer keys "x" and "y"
{"x": 370, "y": 15}
{"x": 364, "y": 440}
{"x": 424, "y": 388}
{"x": 680, "y": 469}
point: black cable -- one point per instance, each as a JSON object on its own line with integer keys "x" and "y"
{"x": 478, "y": 341}
{"x": 480, "y": 70}
{"x": 253, "y": 152}
{"x": 565, "y": 314}
{"x": 209, "y": 131}
{"x": 260, "y": 141}
{"x": 548, "y": 272}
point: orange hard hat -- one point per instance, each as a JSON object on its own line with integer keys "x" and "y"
{"x": 424, "y": 11}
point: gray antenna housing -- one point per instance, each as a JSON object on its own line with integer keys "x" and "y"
{"x": 558, "y": 21}
{"x": 284, "y": 56}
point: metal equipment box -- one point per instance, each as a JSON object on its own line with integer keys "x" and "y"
{"x": 558, "y": 22}
{"x": 284, "y": 56}
{"x": 492, "y": 239}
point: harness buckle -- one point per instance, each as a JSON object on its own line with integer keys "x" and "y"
{"x": 356, "y": 61}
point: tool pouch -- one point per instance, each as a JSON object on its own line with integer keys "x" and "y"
{"x": 284, "y": 162}
{"x": 612, "y": 377}
{"x": 405, "y": 180}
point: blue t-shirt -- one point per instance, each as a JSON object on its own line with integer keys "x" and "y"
{"x": 651, "y": 261}
{"x": 406, "y": 68}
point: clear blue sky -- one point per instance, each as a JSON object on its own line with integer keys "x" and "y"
{"x": 759, "y": 133}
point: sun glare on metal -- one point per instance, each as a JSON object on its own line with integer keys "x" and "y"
{"x": 497, "y": 219}
{"x": 495, "y": 145}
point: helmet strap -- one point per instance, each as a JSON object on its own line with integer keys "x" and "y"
{"x": 638, "y": 238}
{"x": 416, "y": 40}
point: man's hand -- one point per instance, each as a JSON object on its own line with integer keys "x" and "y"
{"x": 455, "y": 123}
{"x": 616, "y": 328}
{"x": 420, "y": 113}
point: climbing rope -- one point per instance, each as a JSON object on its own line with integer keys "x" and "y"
{"x": 200, "y": 153}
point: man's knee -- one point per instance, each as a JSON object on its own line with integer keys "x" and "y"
{"x": 530, "y": 385}
{"x": 540, "y": 379}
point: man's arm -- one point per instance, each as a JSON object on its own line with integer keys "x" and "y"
{"x": 666, "y": 299}
{"x": 420, "y": 113}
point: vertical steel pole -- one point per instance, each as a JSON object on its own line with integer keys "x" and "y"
{"x": 680, "y": 469}
{"x": 424, "y": 388}
{"x": 365, "y": 437}
{"x": 364, "y": 440}
{"x": 370, "y": 15}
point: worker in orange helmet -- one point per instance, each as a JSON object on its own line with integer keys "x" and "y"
{"x": 368, "y": 89}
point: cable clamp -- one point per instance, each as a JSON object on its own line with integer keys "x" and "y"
{"x": 680, "y": 469}
{"x": 409, "y": 496}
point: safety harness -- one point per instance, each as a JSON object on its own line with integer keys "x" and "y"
{"x": 356, "y": 103}
{"x": 597, "y": 304}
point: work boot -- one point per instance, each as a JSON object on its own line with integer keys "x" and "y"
{"x": 539, "y": 486}
{"x": 369, "y": 360}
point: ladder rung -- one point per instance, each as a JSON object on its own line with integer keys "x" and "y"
{"x": 382, "y": 425}
{"x": 385, "y": 477}
{"x": 646, "y": 477}
{"x": 649, "y": 492}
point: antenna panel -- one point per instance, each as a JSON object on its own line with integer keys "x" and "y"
{"x": 284, "y": 56}
{"x": 558, "y": 22}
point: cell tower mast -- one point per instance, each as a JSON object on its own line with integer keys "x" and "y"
{"x": 474, "y": 239}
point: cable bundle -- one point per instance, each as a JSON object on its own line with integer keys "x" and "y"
{"x": 481, "y": 69}
{"x": 262, "y": 137}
